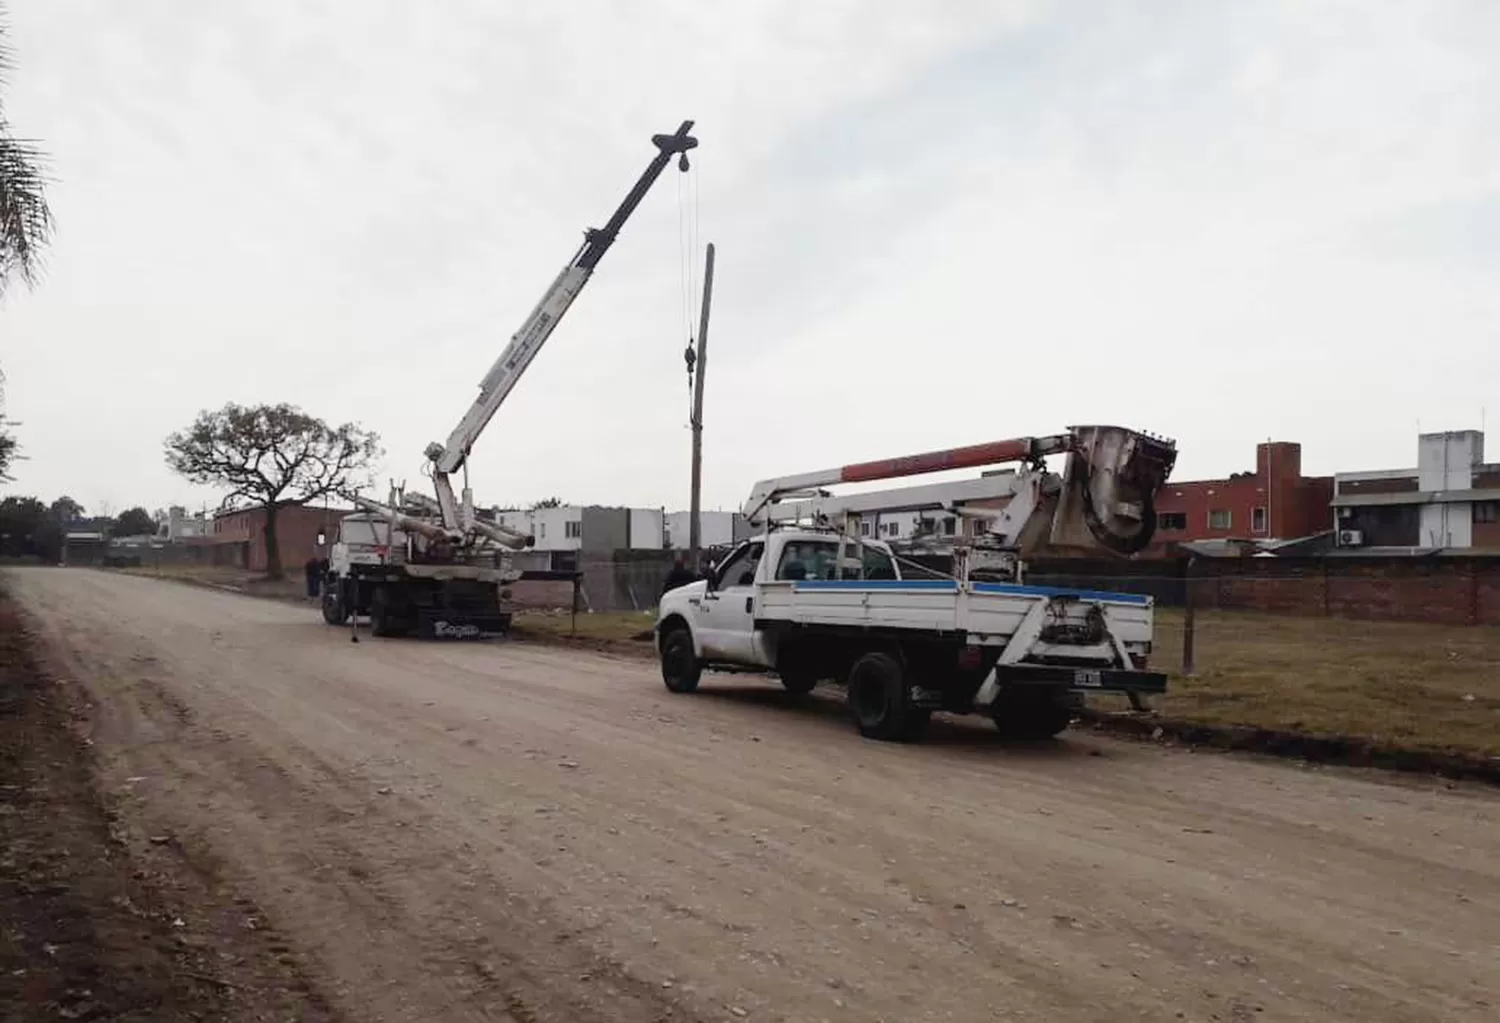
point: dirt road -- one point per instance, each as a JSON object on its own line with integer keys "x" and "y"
{"x": 465, "y": 832}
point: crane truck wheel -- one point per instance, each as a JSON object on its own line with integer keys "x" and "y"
{"x": 335, "y": 612}
{"x": 880, "y": 700}
{"x": 680, "y": 669}
{"x": 382, "y": 617}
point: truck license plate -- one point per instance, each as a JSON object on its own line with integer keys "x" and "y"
{"x": 1089, "y": 677}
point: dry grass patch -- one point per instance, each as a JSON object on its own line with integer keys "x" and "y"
{"x": 1398, "y": 684}
{"x": 600, "y": 626}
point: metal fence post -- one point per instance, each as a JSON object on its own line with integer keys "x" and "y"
{"x": 1189, "y": 618}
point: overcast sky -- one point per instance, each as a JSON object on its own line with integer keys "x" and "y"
{"x": 937, "y": 223}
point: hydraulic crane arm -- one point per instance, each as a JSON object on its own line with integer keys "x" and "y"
{"x": 538, "y": 326}
{"x": 1105, "y": 498}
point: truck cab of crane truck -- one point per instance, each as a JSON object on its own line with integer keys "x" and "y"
{"x": 718, "y": 612}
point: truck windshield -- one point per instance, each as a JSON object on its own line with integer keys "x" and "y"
{"x": 814, "y": 559}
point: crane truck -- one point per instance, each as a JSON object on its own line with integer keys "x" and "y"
{"x": 430, "y": 564}
{"x": 812, "y": 597}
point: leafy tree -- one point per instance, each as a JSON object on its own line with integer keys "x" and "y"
{"x": 65, "y": 510}
{"x": 134, "y": 522}
{"x": 9, "y": 448}
{"x": 548, "y": 502}
{"x": 272, "y": 457}
{"x": 27, "y": 530}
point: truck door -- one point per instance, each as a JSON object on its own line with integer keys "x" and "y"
{"x": 726, "y": 626}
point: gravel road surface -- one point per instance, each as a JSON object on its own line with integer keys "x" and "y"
{"x": 519, "y": 832}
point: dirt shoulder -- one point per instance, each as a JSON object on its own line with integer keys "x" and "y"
{"x": 96, "y": 924}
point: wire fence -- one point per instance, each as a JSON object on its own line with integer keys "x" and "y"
{"x": 1395, "y": 657}
{"x": 1433, "y": 593}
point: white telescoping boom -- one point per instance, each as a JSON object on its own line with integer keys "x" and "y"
{"x": 457, "y": 521}
{"x": 1103, "y": 501}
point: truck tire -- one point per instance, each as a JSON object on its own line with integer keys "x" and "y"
{"x": 383, "y": 619}
{"x": 881, "y": 703}
{"x": 1033, "y": 716}
{"x": 680, "y": 670}
{"x": 797, "y": 679}
{"x": 335, "y": 612}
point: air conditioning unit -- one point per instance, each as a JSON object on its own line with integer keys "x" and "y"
{"x": 1351, "y": 538}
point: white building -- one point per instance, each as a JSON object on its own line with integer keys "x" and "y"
{"x": 717, "y": 528}
{"x": 177, "y": 525}
{"x": 1449, "y": 499}
{"x": 572, "y": 527}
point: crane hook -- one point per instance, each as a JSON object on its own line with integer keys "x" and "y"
{"x": 682, "y": 163}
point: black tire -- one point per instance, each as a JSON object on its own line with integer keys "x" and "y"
{"x": 335, "y": 612}
{"x": 1042, "y": 716}
{"x": 382, "y": 618}
{"x": 880, "y": 701}
{"x": 797, "y": 679}
{"x": 680, "y": 670}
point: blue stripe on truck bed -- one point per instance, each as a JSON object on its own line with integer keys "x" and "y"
{"x": 949, "y": 585}
{"x": 1061, "y": 591}
{"x": 876, "y": 584}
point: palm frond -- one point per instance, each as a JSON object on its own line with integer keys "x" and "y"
{"x": 25, "y": 219}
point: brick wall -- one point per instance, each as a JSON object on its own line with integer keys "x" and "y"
{"x": 1448, "y": 590}
{"x": 1452, "y": 591}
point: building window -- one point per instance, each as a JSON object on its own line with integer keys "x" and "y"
{"x": 1487, "y": 511}
{"x": 1171, "y": 520}
{"x": 950, "y": 526}
{"x": 541, "y": 531}
{"x": 572, "y": 530}
{"x": 864, "y": 529}
{"x": 1257, "y": 520}
{"x": 1219, "y": 518}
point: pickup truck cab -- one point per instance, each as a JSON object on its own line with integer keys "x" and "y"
{"x": 788, "y": 603}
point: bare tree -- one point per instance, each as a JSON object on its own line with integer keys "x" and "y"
{"x": 272, "y": 457}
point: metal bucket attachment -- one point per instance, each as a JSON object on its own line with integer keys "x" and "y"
{"x": 1109, "y": 488}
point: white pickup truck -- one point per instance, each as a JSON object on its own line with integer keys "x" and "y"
{"x": 830, "y": 602}
{"x": 904, "y": 647}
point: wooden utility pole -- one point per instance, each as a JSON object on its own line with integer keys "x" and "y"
{"x": 695, "y": 513}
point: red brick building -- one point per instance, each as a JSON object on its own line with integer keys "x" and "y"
{"x": 297, "y": 530}
{"x": 1275, "y": 502}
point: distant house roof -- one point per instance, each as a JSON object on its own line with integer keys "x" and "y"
{"x": 1416, "y": 497}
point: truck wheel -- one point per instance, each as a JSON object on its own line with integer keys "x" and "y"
{"x": 1037, "y": 717}
{"x": 382, "y": 620}
{"x": 880, "y": 702}
{"x": 680, "y": 669}
{"x": 797, "y": 679}
{"x": 334, "y": 611}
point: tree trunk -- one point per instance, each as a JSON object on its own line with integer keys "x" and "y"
{"x": 273, "y": 546}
